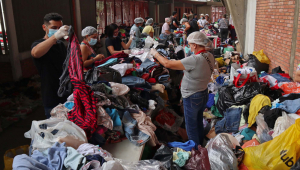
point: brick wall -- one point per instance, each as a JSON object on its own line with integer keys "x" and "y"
{"x": 297, "y": 54}
{"x": 273, "y": 31}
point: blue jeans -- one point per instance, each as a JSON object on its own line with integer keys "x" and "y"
{"x": 133, "y": 134}
{"x": 279, "y": 78}
{"x": 147, "y": 64}
{"x": 132, "y": 81}
{"x": 163, "y": 78}
{"x": 47, "y": 111}
{"x": 163, "y": 36}
{"x": 193, "y": 114}
{"x": 230, "y": 122}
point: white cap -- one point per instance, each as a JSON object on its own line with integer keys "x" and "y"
{"x": 183, "y": 20}
{"x": 206, "y": 14}
{"x": 201, "y": 14}
{"x": 89, "y": 30}
{"x": 149, "y": 21}
{"x": 198, "y": 38}
{"x": 138, "y": 20}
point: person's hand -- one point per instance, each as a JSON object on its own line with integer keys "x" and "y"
{"x": 62, "y": 32}
{"x": 99, "y": 57}
{"x": 132, "y": 34}
{"x": 153, "y": 52}
{"x": 126, "y": 51}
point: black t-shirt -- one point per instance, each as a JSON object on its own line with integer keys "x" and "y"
{"x": 194, "y": 27}
{"x": 174, "y": 19}
{"x": 50, "y": 69}
{"x": 115, "y": 42}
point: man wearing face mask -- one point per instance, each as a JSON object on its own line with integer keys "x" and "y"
{"x": 48, "y": 54}
{"x": 135, "y": 28}
{"x": 88, "y": 54}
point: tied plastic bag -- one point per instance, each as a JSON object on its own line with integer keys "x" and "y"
{"x": 261, "y": 56}
{"x": 262, "y": 130}
{"x": 290, "y": 87}
{"x": 282, "y": 123}
{"x": 46, "y": 132}
{"x": 199, "y": 160}
{"x": 11, "y": 153}
{"x": 280, "y": 153}
{"x": 164, "y": 155}
{"x": 221, "y": 156}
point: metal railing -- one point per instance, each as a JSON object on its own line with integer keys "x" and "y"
{"x": 3, "y": 38}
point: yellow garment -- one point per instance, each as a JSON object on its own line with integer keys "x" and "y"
{"x": 148, "y": 29}
{"x": 175, "y": 157}
{"x": 281, "y": 153}
{"x": 261, "y": 56}
{"x": 220, "y": 61}
{"x": 256, "y": 104}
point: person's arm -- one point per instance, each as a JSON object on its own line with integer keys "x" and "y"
{"x": 175, "y": 24}
{"x": 126, "y": 46}
{"x": 297, "y": 76}
{"x": 85, "y": 53}
{"x": 112, "y": 50}
{"x": 171, "y": 64}
{"x": 167, "y": 32}
{"x": 187, "y": 27}
{"x": 42, "y": 48}
{"x": 151, "y": 34}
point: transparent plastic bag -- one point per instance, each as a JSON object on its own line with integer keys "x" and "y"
{"x": 46, "y": 132}
{"x": 220, "y": 153}
{"x": 282, "y": 123}
{"x": 262, "y": 130}
{"x": 141, "y": 165}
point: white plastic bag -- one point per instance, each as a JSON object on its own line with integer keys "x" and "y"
{"x": 45, "y": 133}
{"x": 149, "y": 42}
{"x": 282, "y": 123}
{"x": 239, "y": 80}
{"x": 262, "y": 130}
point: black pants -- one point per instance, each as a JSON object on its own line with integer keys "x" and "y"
{"x": 224, "y": 34}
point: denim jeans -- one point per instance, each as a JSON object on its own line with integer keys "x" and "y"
{"x": 147, "y": 64}
{"x": 47, "y": 111}
{"x": 279, "y": 78}
{"x": 230, "y": 122}
{"x": 132, "y": 81}
{"x": 193, "y": 114}
{"x": 163, "y": 36}
{"x": 133, "y": 134}
{"x": 163, "y": 78}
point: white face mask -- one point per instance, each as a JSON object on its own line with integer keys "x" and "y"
{"x": 115, "y": 36}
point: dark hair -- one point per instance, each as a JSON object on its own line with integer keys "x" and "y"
{"x": 174, "y": 13}
{"x": 195, "y": 15}
{"x": 52, "y": 16}
{"x": 147, "y": 18}
{"x": 110, "y": 30}
{"x": 224, "y": 15}
{"x": 192, "y": 11}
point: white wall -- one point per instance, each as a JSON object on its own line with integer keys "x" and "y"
{"x": 250, "y": 27}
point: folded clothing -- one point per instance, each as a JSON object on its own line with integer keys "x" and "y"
{"x": 187, "y": 146}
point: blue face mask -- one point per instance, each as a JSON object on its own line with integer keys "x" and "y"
{"x": 51, "y": 32}
{"x": 93, "y": 41}
{"x": 183, "y": 26}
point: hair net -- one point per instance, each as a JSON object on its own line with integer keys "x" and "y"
{"x": 89, "y": 30}
{"x": 206, "y": 14}
{"x": 199, "y": 38}
{"x": 138, "y": 20}
{"x": 167, "y": 20}
{"x": 149, "y": 21}
{"x": 183, "y": 20}
{"x": 201, "y": 14}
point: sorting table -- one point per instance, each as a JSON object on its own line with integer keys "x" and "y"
{"x": 125, "y": 150}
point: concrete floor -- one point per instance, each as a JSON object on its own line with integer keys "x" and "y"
{"x": 13, "y": 136}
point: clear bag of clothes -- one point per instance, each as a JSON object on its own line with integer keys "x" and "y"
{"x": 262, "y": 129}
{"x": 46, "y": 132}
{"x": 220, "y": 153}
{"x": 141, "y": 165}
